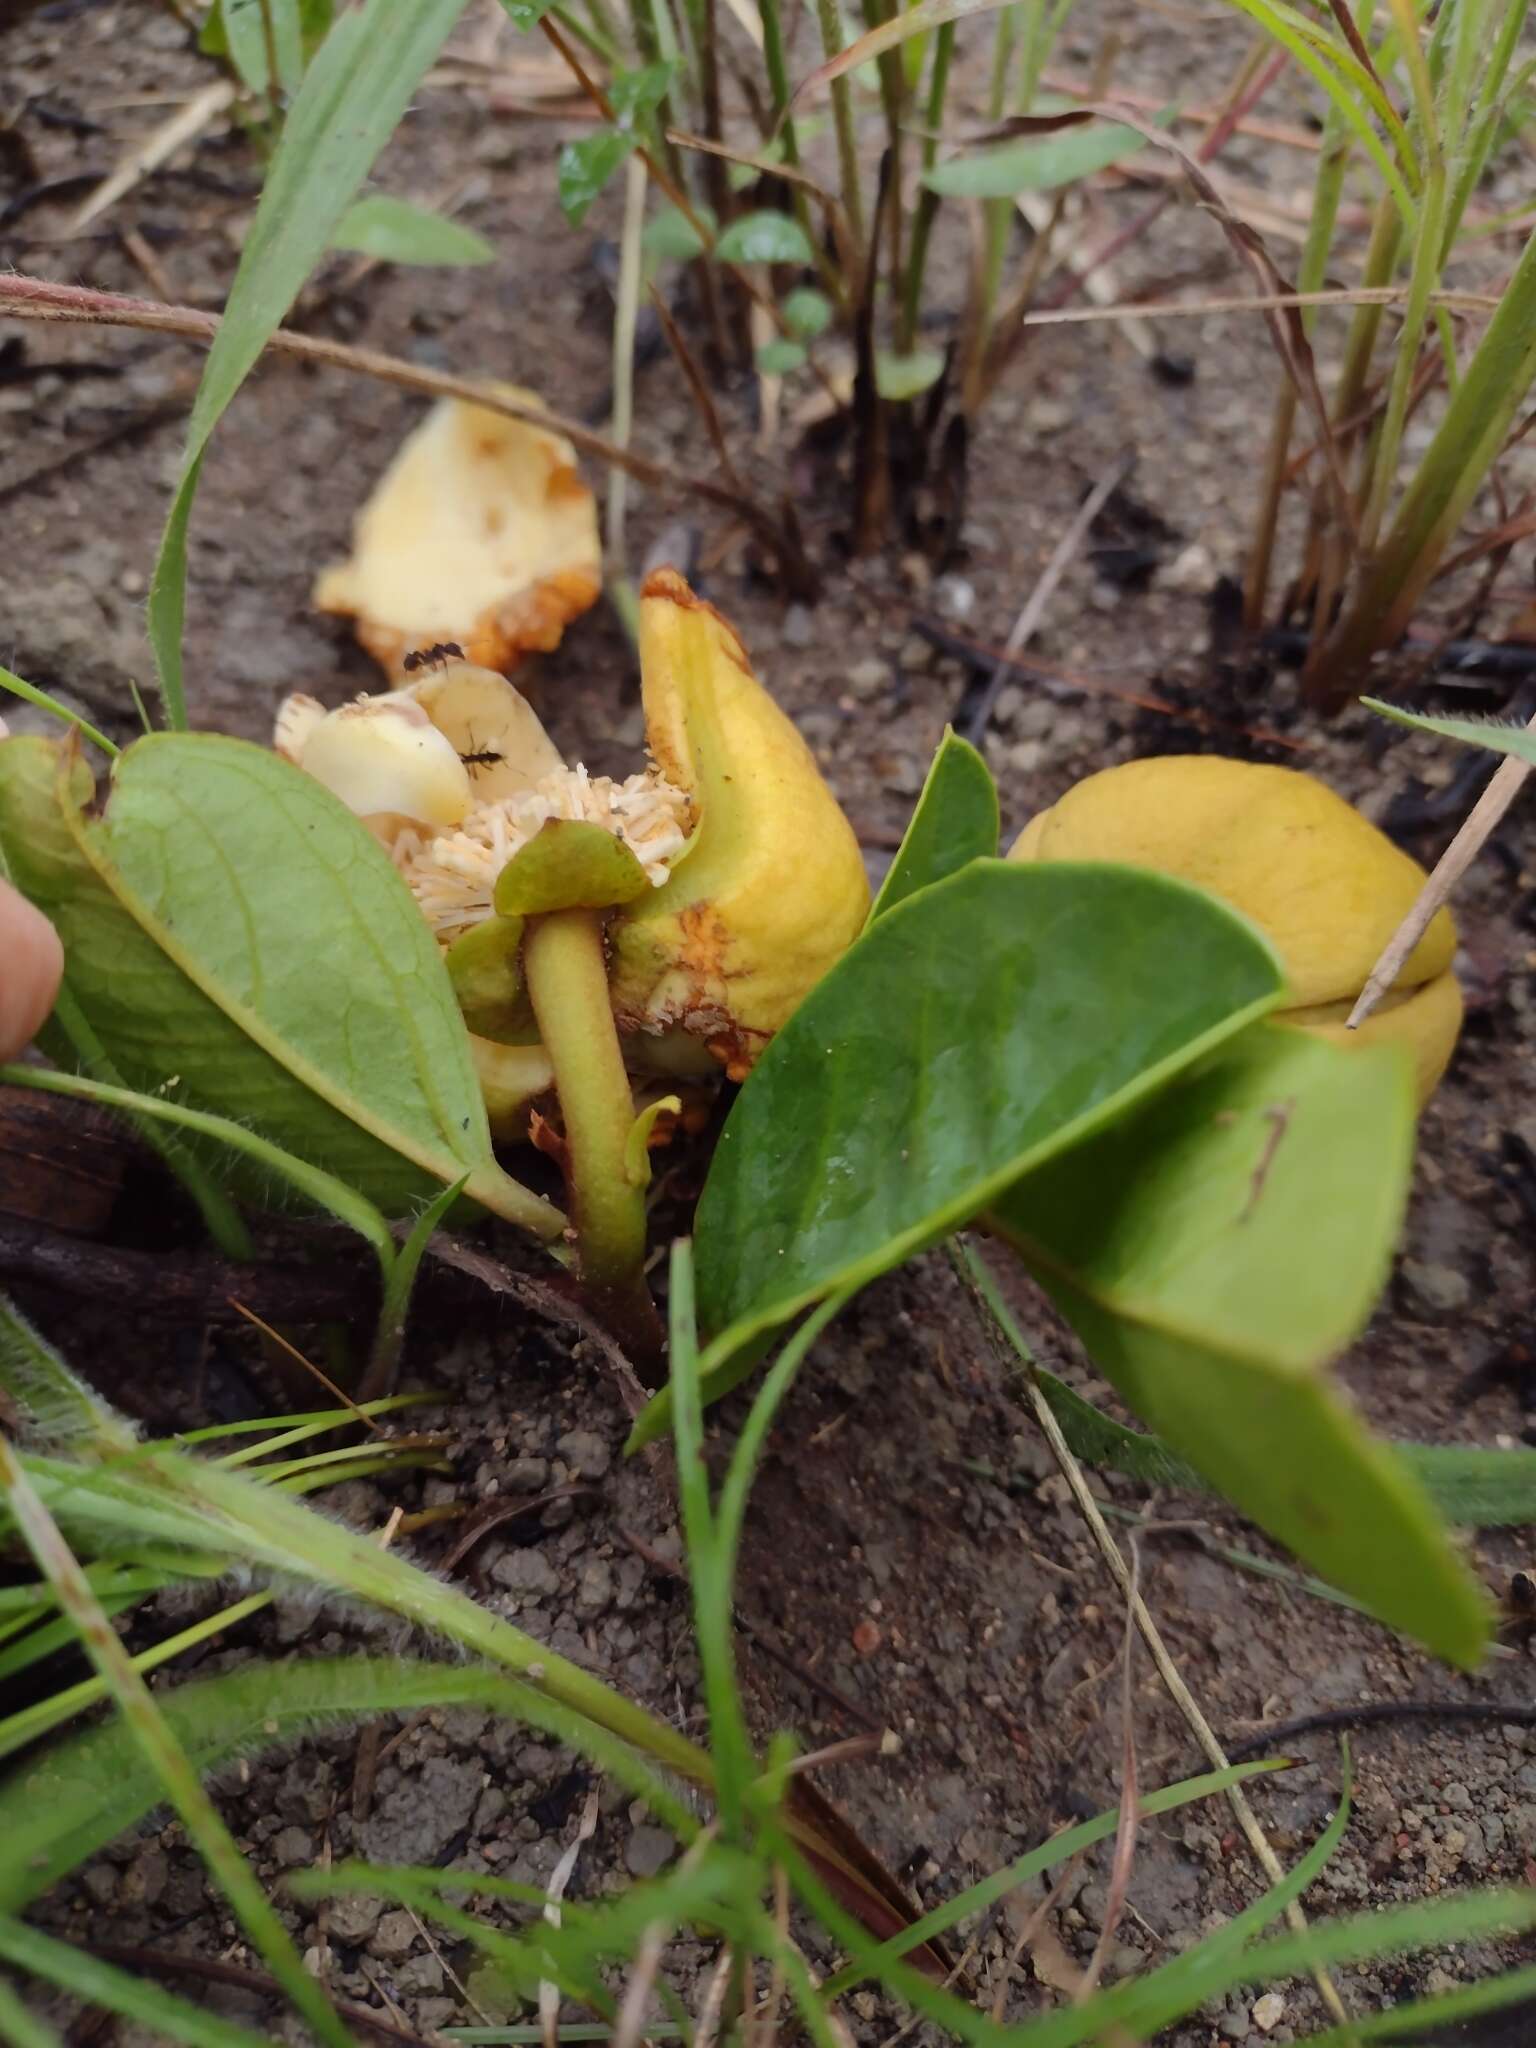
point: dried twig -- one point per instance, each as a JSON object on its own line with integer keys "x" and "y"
{"x": 1025, "y": 625}
{"x": 33, "y": 298}
{"x": 1481, "y": 822}
{"x": 1130, "y": 1796}
{"x": 148, "y": 155}
{"x": 1167, "y": 1670}
{"x": 560, "y": 1877}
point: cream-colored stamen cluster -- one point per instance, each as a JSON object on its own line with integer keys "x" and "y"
{"x": 453, "y": 874}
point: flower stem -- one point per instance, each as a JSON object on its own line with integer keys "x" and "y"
{"x": 567, "y": 979}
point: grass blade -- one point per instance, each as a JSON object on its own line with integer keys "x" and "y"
{"x": 166, "y": 1757}
{"x": 85, "y": 1976}
{"x": 354, "y": 93}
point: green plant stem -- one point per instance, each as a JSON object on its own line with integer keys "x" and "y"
{"x": 893, "y": 95}
{"x": 997, "y": 213}
{"x": 777, "y": 67}
{"x": 182, "y": 1787}
{"x": 928, "y": 202}
{"x": 1313, "y": 269}
{"x": 1464, "y": 448}
{"x": 830, "y": 23}
{"x": 567, "y": 977}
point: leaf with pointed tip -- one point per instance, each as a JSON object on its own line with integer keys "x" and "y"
{"x": 233, "y": 933}
{"x": 393, "y": 231}
{"x": 1215, "y": 1252}
{"x": 955, "y": 822}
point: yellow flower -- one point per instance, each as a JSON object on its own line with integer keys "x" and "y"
{"x": 1323, "y": 884}
{"x": 755, "y": 880}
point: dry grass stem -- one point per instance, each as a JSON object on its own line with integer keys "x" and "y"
{"x": 1481, "y": 822}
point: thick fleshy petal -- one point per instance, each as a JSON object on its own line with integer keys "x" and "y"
{"x": 773, "y": 890}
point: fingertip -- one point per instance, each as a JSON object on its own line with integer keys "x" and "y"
{"x": 31, "y": 965}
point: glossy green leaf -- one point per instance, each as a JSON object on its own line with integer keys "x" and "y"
{"x": 1215, "y": 1252}
{"x": 585, "y": 166}
{"x": 1035, "y": 164}
{"x": 356, "y": 89}
{"x": 764, "y": 238}
{"x": 955, "y": 822}
{"x": 1499, "y": 738}
{"x": 394, "y": 231}
{"x": 779, "y": 357}
{"x": 984, "y": 1025}
{"x": 233, "y": 933}
{"x": 672, "y": 237}
{"x": 808, "y": 311}
{"x": 569, "y": 864}
{"x": 900, "y": 377}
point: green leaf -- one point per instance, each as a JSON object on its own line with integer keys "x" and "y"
{"x": 984, "y": 1025}
{"x": 394, "y": 231}
{"x": 353, "y": 95}
{"x": 672, "y": 238}
{"x": 1214, "y": 1252}
{"x": 779, "y": 357}
{"x": 526, "y": 14}
{"x": 764, "y": 238}
{"x": 1036, "y": 164}
{"x": 235, "y": 29}
{"x": 808, "y": 311}
{"x": 955, "y": 822}
{"x": 233, "y": 933}
{"x": 901, "y": 377}
{"x": 633, "y": 94}
{"x": 584, "y": 168}
{"x": 1518, "y": 740}
{"x": 569, "y": 864}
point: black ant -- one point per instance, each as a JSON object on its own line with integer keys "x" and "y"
{"x": 432, "y": 657}
{"x": 481, "y": 757}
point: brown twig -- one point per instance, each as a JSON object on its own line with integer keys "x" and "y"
{"x": 1480, "y": 823}
{"x": 1033, "y": 609}
{"x": 163, "y": 1963}
{"x": 31, "y": 298}
{"x": 496, "y": 1514}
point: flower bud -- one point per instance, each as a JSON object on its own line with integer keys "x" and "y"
{"x": 1325, "y": 887}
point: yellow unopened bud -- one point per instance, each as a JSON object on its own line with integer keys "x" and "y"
{"x": 1320, "y": 881}
{"x": 773, "y": 888}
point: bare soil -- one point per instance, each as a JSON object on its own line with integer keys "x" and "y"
{"x": 887, "y": 1582}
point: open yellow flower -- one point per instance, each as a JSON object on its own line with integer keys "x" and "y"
{"x": 480, "y": 532}
{"x": 1320, "y": 881}
{"x": 669, "y": 922}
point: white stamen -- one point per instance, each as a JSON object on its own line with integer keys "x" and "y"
{"x": 453, "y": 876}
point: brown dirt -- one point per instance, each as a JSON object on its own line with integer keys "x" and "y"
{"x": 900, "y": 1587}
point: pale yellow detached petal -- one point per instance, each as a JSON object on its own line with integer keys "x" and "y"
{"x": 480, "y": 533}
{"x": 773, "y": 890}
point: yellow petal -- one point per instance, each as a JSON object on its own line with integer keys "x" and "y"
{"x": 1326, "y": 887}
{"x": 493, "y": 728}
{"x": 510, "y": 1077}
{"x": 480, "y": 533}
{"x": 774, "y": 888}
{"x": 1425, "y": 1021}
{"x": 384, "y": 755}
